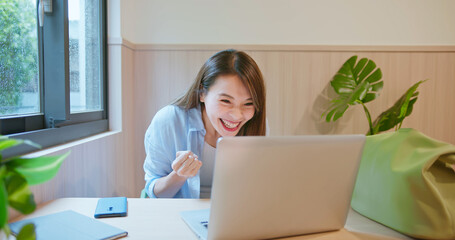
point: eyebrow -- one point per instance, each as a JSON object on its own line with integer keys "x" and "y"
{"x": 229, "y": 96}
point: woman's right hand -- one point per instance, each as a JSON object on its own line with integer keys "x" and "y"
{"x": 186, "y": 164}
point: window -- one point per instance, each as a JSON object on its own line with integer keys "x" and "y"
{"x": 19, "y": 79}
{"x": 85, "y": 64}
{"x": 52, "y": 70}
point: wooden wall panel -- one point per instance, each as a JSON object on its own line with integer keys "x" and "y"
{"x": 298, "y": 87}
{"x": 297, "y": 81}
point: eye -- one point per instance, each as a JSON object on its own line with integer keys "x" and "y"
{"x": 225, "y": 101}
{"x": 249, "y": 104}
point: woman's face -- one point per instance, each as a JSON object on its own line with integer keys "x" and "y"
{"x": 228, "y": 106}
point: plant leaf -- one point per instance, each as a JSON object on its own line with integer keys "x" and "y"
{"x": 27, "y": 232}
{"x": 3, "y": 204}
{"x": 354, "y": 84}
{"x": 19, "y": 195}
{"x": 6, "y": 143}
{"x": 398, "y": 112}
{"x": 9, "y": 142}
{"x": 37, "y": 170}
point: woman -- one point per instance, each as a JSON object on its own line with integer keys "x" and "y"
{"x": 226, "y": 99}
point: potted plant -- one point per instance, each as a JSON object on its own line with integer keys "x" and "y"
{"x": 16, "y": 174}
{"x": 405, "y": 179}
{"x": 358, "y": 84}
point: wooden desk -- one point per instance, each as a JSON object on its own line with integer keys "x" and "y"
{"x": 160, "y": 219}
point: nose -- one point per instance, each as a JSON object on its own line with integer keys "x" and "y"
{"x": 236, "y": 113}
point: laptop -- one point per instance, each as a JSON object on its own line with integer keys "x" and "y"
{"x": 269, "y": 187}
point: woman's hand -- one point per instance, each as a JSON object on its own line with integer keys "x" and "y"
{"x": 186, "y": 164}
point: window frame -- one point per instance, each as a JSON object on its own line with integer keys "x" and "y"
{"x": 56, "y": 125}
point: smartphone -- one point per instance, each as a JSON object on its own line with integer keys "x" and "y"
{"x": 111, "y": 207}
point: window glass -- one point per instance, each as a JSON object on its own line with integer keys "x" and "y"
{"x": 84, "y": 49}
{"x": 19, "y": 77}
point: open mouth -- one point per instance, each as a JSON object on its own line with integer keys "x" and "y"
{"x": 230, "y": 126}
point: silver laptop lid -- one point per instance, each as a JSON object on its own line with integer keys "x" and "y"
{"x": 267, "y": 187}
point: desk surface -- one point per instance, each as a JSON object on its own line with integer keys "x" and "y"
{"x": 160, "y": 219}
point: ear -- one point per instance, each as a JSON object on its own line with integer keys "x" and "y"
{"x": 202, "y": 96}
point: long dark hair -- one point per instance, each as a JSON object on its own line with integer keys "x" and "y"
{"x": 231, "y": 62}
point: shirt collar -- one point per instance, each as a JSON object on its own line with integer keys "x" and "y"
{"x": 195, "y": 120}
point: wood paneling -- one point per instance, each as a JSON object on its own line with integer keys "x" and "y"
{"x": 145, "y": 78}
{"x": 298, "y": 84}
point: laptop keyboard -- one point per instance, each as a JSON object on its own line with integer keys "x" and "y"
{"x": 205, "y": 224}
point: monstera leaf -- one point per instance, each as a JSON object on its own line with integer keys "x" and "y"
{"x": 398, "y": 112}
{"x": 355, "y": 84}
{"x": 360, "y": 83}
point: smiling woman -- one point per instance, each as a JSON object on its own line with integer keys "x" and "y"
{"x": 227, "y": 98}
{"x": 227, "y": 107}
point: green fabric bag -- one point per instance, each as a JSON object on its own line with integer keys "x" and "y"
{"x": 406, "y": 181}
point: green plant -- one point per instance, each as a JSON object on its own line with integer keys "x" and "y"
{"x": 361, "y": 83}
{"x": 16, "y": 174}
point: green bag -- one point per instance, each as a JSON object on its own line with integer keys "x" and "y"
{"x": 406, "y": 181}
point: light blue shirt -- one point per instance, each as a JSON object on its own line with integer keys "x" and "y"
{"x": 173, "y": 129}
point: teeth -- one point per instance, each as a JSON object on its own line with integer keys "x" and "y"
{"x": 229, "y": 125}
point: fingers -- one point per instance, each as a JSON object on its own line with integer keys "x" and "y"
{"x": 186, "y": 164}
{"x": 181, "y": 157}
{"x": 191, "y": 169}
{"x": 196, "y": 168}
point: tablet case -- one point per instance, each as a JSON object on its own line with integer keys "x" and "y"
{"x": 69, "y": 225}
{"x": 111, "y": 207}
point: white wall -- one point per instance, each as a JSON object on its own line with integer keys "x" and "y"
{"x": 315, "y": 22}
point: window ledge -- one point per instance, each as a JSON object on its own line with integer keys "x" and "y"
{"x": 67, "y": 146}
